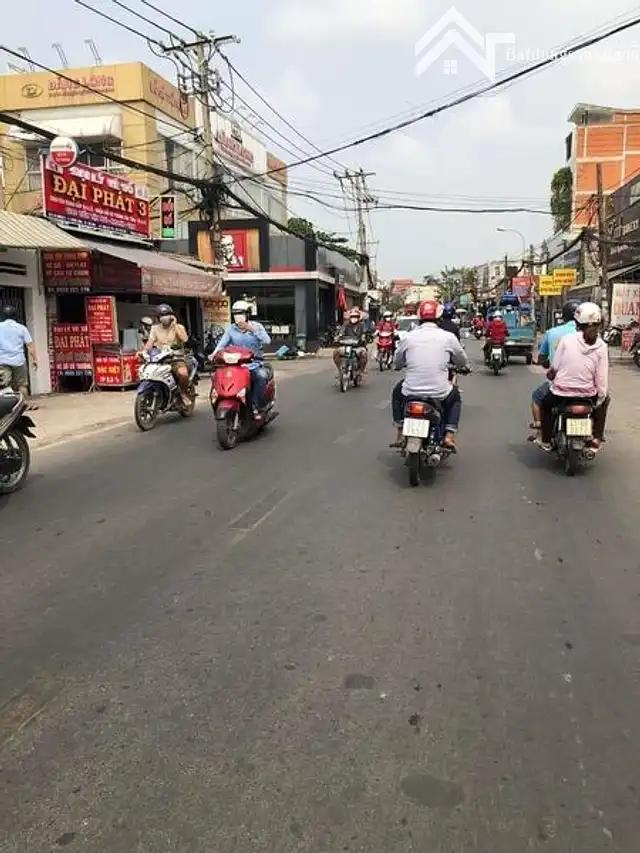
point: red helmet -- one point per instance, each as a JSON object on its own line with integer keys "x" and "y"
{"x": 430, "y": 310}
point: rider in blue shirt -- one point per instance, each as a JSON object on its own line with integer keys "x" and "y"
{"x": 243, "y": 332}
{"x": 546, "y": 353}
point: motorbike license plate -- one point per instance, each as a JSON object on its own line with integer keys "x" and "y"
{"x": 416, "y": 428}
{"x": 496, "y": 353}
{"x": 579, "y": 427}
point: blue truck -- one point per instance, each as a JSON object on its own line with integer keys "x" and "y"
{"x": 522, "y": 327}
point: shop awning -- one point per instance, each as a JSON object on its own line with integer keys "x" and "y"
{"x": 623, "y": 271}
{"x": 18, "y": 231}
{"x": 162, "y": 274}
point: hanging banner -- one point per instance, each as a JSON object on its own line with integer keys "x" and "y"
{"x": 101, "y": 319}
{"x": 168, "y": 217}
{"x": 67, "y": 271}
{"x": 565, "y": 277}
{"x": 548, "y": 287}
{"x": 522, "y": 287}
{"x": 83, "y": 197}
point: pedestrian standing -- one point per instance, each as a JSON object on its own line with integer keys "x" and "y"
{"x": 14, "y": 337}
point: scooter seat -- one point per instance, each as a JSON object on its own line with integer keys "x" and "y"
{"x": 580, "y": 408}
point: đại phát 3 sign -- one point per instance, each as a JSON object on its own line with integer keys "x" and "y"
{"x": 91, "y": 199}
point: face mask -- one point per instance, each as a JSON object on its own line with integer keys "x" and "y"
{"x": 166, "y": 321}
{"x": 240, "y": 318}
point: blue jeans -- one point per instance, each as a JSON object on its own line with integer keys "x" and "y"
{"x": 451, "y": 407}
{"x": 260, "y": 376}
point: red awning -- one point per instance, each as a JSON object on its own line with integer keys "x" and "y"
{"x": 162, "y": 274}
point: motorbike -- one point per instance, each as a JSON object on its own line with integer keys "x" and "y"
{"x": 478, "y": 334}
{"x": 385, "y": 350}
{"x": 230, "y": 396}
{"x": 349, "y": 371}
{"x": 423, "y": 432}
{"x": 497, "y": 358}
{"x": 572, "y": 430}
{"x": 15, "y": 428}
{"x": 158, "y": 392}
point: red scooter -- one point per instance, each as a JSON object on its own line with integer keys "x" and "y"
{"x": 236, "y": 417}
{"x": 386, "y": 346}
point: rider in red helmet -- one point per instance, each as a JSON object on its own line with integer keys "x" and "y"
{"x": 427, "y": 353}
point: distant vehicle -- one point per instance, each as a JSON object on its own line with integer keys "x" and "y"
{"x": 406, "y": 324}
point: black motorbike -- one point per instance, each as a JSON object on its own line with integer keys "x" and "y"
{"x": 572, "y": 432}
{"x": 15, "y": 428}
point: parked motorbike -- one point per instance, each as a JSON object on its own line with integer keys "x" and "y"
{"x": 385, "y": 350}
{"x": 612, "y": 336}
{"x": 572, "y": 430}
{"x": 158, "y": 390}
{"x": 237, "y": 418}
{"x": 329, "y": 337}
{"x": 635, "y": 351}
{"x": 497, "y": 358}
{"x": 15, "y": 428}
{"x": 350, "y": 372}
{"x": 423, "y": 431}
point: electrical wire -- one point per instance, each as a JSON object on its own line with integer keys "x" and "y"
{"x": 115, "y": 21}
{"x": 171, "y": 18}
{"x": 146, "y": 20}
{"x": 512, "y": 77}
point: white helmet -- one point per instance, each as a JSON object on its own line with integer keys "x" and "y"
{"x": 497, "y": 315}
{"x": 588, "y": 314}
{"x": 241, "y": 307}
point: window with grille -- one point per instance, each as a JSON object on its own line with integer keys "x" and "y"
{"x": 98, "y": 157}
{"x": 33, "y": 177}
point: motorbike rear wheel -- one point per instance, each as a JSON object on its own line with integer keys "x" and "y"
{"x": 226, "y": 431}
{"x": 413, "y": 464}
{"x": 571, "y": 461}
{"x": 145, "y": 411}
{"x": 13, "y": 444}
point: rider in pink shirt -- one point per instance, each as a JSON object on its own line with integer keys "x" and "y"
{"x": 580, "y": 369}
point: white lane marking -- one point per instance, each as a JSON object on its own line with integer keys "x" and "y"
{"x": 243, "y": 532}
{"x": 348, "y": 437}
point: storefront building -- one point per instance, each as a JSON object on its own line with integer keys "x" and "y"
{"x": 22, "y": 238}
{"x": 148, "y": 119}
{"x": 299, "y": 289}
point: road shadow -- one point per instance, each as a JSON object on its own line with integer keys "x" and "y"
{"x": 537, "y": 460}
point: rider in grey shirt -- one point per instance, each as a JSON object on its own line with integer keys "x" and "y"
{"x": 428, "y": 352}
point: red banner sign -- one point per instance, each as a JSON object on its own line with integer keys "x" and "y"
{"x": 90, "y": 198}
{"x": 522, "y": 286}
{"x": 68, "y": 271}
{"x": 101, "y": 319}
{"x": 111, "y": 367}
{"x": 71, "y": 349}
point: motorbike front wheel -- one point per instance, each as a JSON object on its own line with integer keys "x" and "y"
{"x": 227, "y": 432}
{"x": 146, "y": 411}
{"x": 189, "y": 411}
{"x": 413, "y": 464}
{"x": 15, "y": 447}
{"x": 496, "y": 368}
{"x": 344, "y": 381}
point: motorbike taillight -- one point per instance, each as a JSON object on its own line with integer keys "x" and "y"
{"x": 417, "y": 409}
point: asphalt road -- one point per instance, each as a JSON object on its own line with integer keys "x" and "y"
{"x": 285, "y": 648}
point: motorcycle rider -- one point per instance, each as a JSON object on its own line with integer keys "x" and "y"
{"x": 580, "y": 370}
{"x": 478, "y": 323}
{"x": 387, "y": 324}
{"x": 167, "y": 333}
{"x": 427, "y": 353}
{"x": 546, "y": 354}
{"x": 447, "y": 321}
{"x": 249, "y": 334}
{"x": 496, "y": 334}
{"x": 353, "y": 329}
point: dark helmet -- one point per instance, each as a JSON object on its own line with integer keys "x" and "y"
{"x": 449, "y": 310}
{"x": 165, "y": 310}
{"x": 569, "y": 310}
{"x": 7, "y": 312}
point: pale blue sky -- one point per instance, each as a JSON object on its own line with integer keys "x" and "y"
{"x": 335, "y": 66}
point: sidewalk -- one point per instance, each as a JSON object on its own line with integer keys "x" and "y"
{"x": 60, "y": 417}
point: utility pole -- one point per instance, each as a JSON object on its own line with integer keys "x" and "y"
{"x": 603, "y": 233}
{"x": 362, "y": 198}
{"x": 200, "y": 86}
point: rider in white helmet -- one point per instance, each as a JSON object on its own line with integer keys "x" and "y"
{"x": 247, "y": 333}
{"x": 580, "y": 369}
